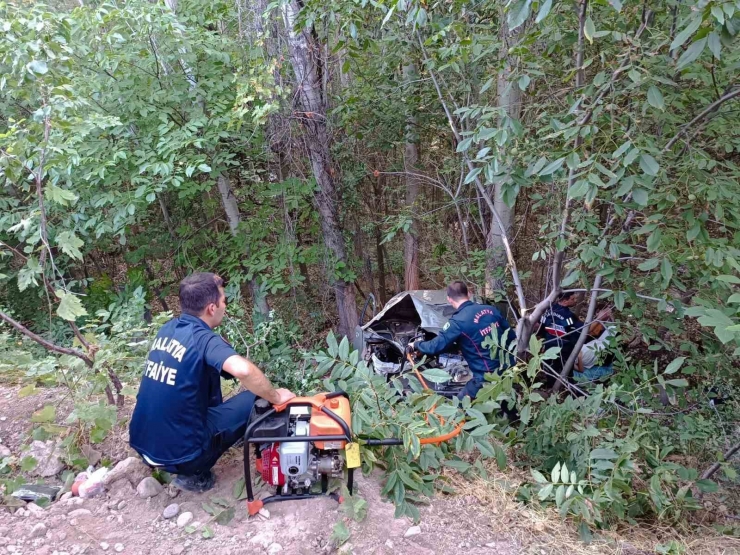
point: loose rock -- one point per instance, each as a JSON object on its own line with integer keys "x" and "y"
{"x": 104, "y": 546}
{"x": 77, "y": 513}
{"x": 65, "y": 496}
{"x": 264, "y": 513}
{"x": 132, "y": 468}
{"x": 4, "y": 452}
{"x": 171, "y": 510}
{"x": 184, "y": 519}
{"x": 49, "y": 457}
{"x": 34, "y": 509}
{"x": 413, "y": 531}
{"x": 39, "y": 530}
{"x": 118, "y": 547}
{"x": 149, "y": 487}
{"x": 274, "y": 548}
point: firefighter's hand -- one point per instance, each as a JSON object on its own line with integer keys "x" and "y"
{"x": 411, "y": 349}
{"x": 284, "y": 396}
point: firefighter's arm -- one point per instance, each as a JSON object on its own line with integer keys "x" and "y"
{"x": 450, "y": 333}
{"x": 255, "y": 381}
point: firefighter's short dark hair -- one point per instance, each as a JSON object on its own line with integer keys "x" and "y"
{"x": 457, "y": 290}
{"x": 199, "y": 290}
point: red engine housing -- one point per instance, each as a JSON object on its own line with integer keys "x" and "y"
{"x": 271, "y": 472}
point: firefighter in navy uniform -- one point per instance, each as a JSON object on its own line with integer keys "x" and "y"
{"x": 180, "y": 423}
{"x": 468, "y": 327}
{"x": 559, "y": 327}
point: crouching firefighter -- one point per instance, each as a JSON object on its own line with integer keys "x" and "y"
{"x": 468, "y": 328}
{"x": 180, "y": 423}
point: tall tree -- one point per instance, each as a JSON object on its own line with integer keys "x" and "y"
{"x": 305, "y": 57}
{"x": 410, "y": 161}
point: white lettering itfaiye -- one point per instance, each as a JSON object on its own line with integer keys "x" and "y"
{"x": 485, "y": 331}
{"x": 160, "y": 373}
{"x": 170, "y": 346}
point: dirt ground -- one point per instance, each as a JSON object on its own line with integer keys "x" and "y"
{"x": 479, "y": 520}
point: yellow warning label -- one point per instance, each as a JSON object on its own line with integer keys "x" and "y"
{"x": 353, "y": 455}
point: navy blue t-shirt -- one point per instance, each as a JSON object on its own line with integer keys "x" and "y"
{"x": 558, "y": 328}
{"x": 180, "y": 382}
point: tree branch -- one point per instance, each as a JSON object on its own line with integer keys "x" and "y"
{"x": 713, "y": 107}
{"x": 709, "y": 472}
{"x": 582, "y": 338}
{"x": 43, "y": 342}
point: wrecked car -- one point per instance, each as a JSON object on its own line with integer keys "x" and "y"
{"x": 407, "y": 317}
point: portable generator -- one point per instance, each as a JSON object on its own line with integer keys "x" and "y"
{"x": 304, "y": 442}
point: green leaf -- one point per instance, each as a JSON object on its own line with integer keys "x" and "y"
{"x": 714, "y": 45}
{"x": 598, "y": 454}
{"x": 460, "y": 466}
{"x": 436, "y": 375}
{"x": 674, "y": 365}
{"x": 538, "y": 476}
{"x": 649, "y": 264}
{"x": 225, "y": 516}
{"x": 578, "y": 189}
{"x": 207, "y": 533}
{"x": 640, "y": 196}
{"x": 692, "y": 53}
{"x": 70, "y": 307}
{"x": 472, "y": 175}
{"x": 688, "y": 31}
{"x": 60, "y": 196}
{"x": 46, "y": 414}
{"x": 616, "y": 4}
{"x": 564, "y": 473}
{"x": 28, "y": 464}
{"x": 340, "y": 534}
{"x": 678, "y": 383}
{"x": 545, "y": 492}
{"x": 734, "y": 298}
{"x": 518, "y": 13}
{"x": 666, "y": 270}
{"x": 621, "y": 150}
{"x": 707, "y": 486}
{"x": 728, "y": 279}
{"x": 555, "y": 474}
{"x": 28, "y": 390}
{"x": 589, "y": 29}
{"x": 649, "y": 165}
{"x": 655, "y": 98}
{"x": 39, "y": 67}
{"x": 70, "y": 244}
{"x": 205, "y": 168}
{"x": 560, "y": 495}
{"x": 552, "y": 167}
{"x": 523, "y": 82}
{"x": 464, "y": 144}
{"x": 544, "y": 10}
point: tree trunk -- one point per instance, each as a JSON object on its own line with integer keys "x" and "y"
{"x": 410, "y": 161}
{"x": 305, "y": 51}
{"x": 509, "y": 98}
{"x": 231, "y": 207}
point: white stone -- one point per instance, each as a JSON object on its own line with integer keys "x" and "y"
{"x": 118, "y": 547}
{"x": 413, "y": 531}
{"x": 274, "y": 548}
{"x": 184, "y": 519}
{"x": 132, "y": 468}
{"x": 65, "y": 496}
{"x": 149, "y": 487}
{"x": 389, "y": 544}
{"x": 104, "y": 546}
{"x": 49, "y": 457}
{"x": 264, "y": 513}
{"x": 39, "y": 530}
{"x": 77, "y": 513}
{"x": 264, "y": 539}
{"x": 34, "y": 509}
{"x": 171, "y": 510}
{"x": 4, "y": 452}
